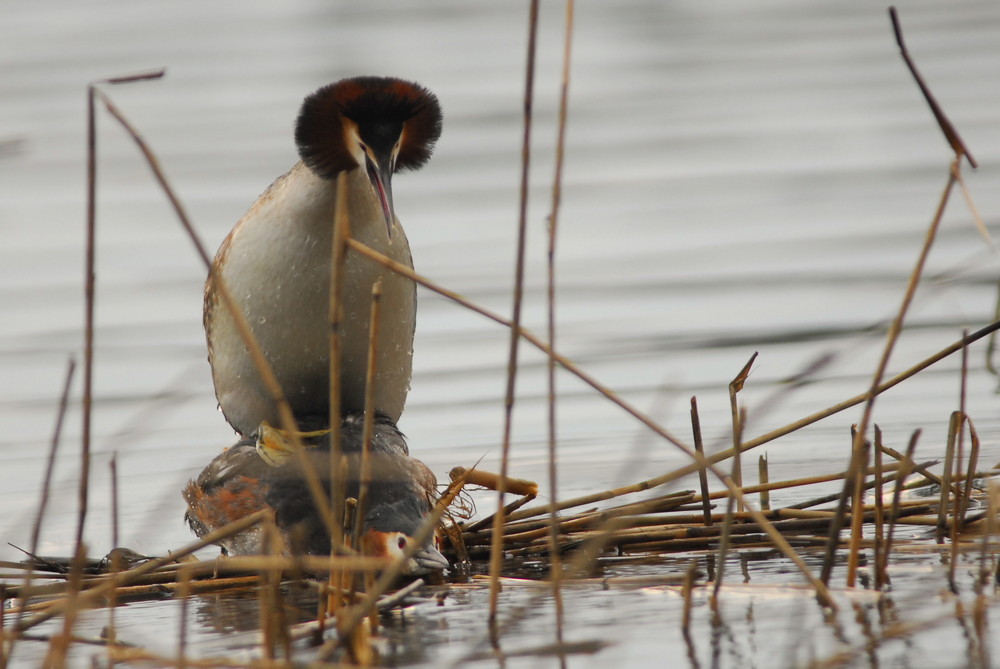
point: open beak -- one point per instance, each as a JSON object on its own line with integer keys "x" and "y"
{"x": 380, "y": 173}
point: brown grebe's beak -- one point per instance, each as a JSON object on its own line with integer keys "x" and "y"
{"x": 380, "y": 174}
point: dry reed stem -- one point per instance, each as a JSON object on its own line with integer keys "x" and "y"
{"x": 860, "y": 466}
{"x": 555, "y": 560}
{"x": 368, "y": 426}
{"x": 971, "y": 472}
{"x": 879, "y": 511}
{"x": 726, "y": 530}
{"x": 686, "y": 592}
{"x": 366, "y": 446}
{"x": 901, "y": 475}
{"x": 490, "y": 480}
{"x": 739, "y": 419}
{"x": 954, "y": 426}
{"x": 833, "y": 537}
{"x": 59, "y": 646}
{"x": 955, "y": 500}
{"x": 496, "y": 556}
{"x": 992, "y": 530}
{"x": 762, "y": 476}
{"x": 116, "y": 559}
{"x": 341, "y": 232}
{"x": 699, "y": 448}
{"x": 947, "y": 129}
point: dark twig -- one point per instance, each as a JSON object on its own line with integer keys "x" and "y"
{"x": 700, "y": 449}
{"x": 950, "y": 134}
{"x": 496, "y": 556}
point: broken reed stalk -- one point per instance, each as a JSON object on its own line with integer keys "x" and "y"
{"x": 860, "y": 467}
{"x": 846, "y": 492}
{"x": 960, "y": 444}
{"x": 952, "y": 473}
{"x": 288, "y": 422}
{"x": 762, "y": 476}
{"x": 555, "y": 559}
{"x": 496, "y": 556}
{"x": 491, "y": 481}
{"x": 879, "y": 509}
{"x": 341, "y": 232}
{"x": 947, "y": 129}
{"x": 970, "y": 474}
{"x": 699, "y": 447}
{"x": 958, "y": 422}
{"x": 739, "y": 419}
{"x": 901, "y": 474}
{"x": 992, "y": 531}
{"x": 954, "y": 425}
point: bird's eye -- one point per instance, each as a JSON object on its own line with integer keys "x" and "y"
{"x": 401, "y": 543}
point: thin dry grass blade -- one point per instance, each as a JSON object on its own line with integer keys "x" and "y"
{"x": 496, "y": 556}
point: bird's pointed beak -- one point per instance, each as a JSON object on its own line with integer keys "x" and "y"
{"x": 430, "y": 558}
{"x": 380, "y": 173}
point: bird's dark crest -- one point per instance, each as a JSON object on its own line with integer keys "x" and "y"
{"x": 383, "y": 109}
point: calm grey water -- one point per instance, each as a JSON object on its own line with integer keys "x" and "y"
{"x": 739, "y": 177}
